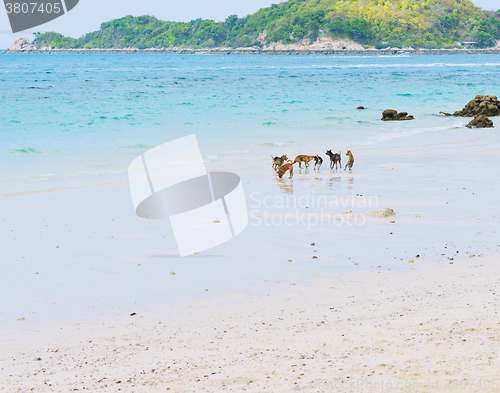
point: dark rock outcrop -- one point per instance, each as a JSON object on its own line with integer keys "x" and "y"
{"x": 481, "y": 105}
{"x": 388, "y": 113}
{"x": 391, "y": 114}
{"x": 480, "y": 121}
{"x": 360, "y": 107}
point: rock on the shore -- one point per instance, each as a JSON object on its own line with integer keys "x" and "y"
{"x": 262, "y": 37}
{"x": 22, "y": 44}
{"x": 322, "y": 43}
{"x": 391, "y": 114}
{"x": 481, "y": 105}
{"x": 480, "y": 121}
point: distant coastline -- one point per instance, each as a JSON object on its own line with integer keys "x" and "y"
{"x": 253, "y": 51}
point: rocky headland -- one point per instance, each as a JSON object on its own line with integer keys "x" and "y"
{"x": 322, "y": 46}
{"x": 22, "y": 45}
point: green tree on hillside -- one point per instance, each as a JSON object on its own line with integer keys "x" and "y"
{"x": 419, "y": 23}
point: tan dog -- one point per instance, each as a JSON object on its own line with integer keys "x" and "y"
{"x": 287, "y": 167}
{"x": 303, "y": 159}
{"x": 350, "y": 162}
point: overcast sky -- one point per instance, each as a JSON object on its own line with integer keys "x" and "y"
{"x": 89, "y": 14}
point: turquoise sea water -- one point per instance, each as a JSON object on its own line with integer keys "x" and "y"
{"x": 85, "y": 115}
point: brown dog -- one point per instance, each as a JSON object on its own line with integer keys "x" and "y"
{"x": 287, "y": 167}
{"x": 303, "y": 159}
{"x": 350, "y": 162}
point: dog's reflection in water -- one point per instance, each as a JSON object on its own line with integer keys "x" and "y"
{"x": 334, "y": 182}
{"x": 286, "y": 187}
{"x": 306, "y": 171}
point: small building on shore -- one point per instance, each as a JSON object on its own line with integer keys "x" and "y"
{"x": 467, "y": 44}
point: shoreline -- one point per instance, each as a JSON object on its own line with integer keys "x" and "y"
{"x": 253, "y": 51}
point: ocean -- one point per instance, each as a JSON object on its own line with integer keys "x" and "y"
{"x": 77, "y": 116}
{"x": 72, "y": 246}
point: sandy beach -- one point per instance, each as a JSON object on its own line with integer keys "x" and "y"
{"x": 414, "y": 309}
{"x": 430, "y": 328}
{"x": 377, "y": 280}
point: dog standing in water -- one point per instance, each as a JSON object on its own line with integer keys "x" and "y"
{"x": 303, "y": 159}
{"x": 317, "y": 161}
{"x": 350, "y": 162}
{"x": 287, "y": 167}
{"x": 278, "y": 161}
{"x": 334, "y": 159}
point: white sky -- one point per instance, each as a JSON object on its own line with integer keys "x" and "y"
{"x": 89, "y": 14}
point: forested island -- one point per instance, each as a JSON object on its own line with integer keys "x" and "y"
{"x": 427, "y": 24}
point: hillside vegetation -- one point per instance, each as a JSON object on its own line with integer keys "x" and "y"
{"x": 418, "y": 23}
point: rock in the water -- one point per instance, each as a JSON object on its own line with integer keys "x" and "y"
{"x": 480, "y": 121}
{"x": 22, "y": 44}
{"x": 360, "y": 107}
{"x": 391, "y": 114}
{"x": 481, "y": 105}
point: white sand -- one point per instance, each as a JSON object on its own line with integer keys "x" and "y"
{"x": 425, "y": 326}
{"x": 72, "y": 253}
